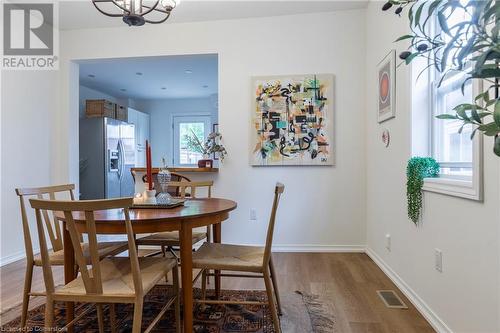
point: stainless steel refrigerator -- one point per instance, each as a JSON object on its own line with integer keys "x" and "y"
{"x": 107, "y": 153}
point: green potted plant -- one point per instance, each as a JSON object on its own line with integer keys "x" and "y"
{"x": 471, "y": 46}
{"x": 418, "y": 168}
{"x": 212, "y": 145}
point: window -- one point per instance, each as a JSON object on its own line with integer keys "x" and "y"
{"x": 184, "y": 128}
{"x": 459, "y": 156}
{"x": 453, "y": 150}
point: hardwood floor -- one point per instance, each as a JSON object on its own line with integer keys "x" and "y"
{"x": 347, "y": 281}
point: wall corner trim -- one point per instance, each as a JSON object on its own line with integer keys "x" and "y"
{"x": 437, "y": 323}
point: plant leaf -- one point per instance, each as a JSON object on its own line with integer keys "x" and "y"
{"x": 475, "y": 115}
{"x": 490, "y": 129}
{"x": 442, "y": 23}
{"x": 473, "y": 133}
{"x": 446, "y": 116}
{"x": 496, "y": 113}
{"x": 462, "y": 114}
{"x": 431, "y": 9}
{"x": 418, "y": 13}
{"x": 496, "y": 146}
{"x": 411, "y": 57}
{"x": 403, "y": 38}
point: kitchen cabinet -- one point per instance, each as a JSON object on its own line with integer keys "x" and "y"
{"x": 141, "y": 122}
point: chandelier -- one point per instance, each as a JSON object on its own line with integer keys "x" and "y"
{"x": 137, "y": 12}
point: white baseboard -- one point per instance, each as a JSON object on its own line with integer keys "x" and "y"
{"x": 12, "y": 258}
{"x": 437, "y": 323}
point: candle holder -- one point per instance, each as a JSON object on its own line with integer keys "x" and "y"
{"x": 138, "y": 199}
{"x": 164, "y": 177}
{"x": 149, "y": 197}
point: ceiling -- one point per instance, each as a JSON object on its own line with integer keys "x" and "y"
{"x": 186, "y": 76}
{"x": 82, "y": 14}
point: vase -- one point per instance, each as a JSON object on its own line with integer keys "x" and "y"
{"x": 206, "y": 162}
{"x": 164, "y": 177}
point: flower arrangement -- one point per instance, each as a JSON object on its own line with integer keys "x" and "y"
{"x": 418, "y": 168}
{"x": 212, "y": 144}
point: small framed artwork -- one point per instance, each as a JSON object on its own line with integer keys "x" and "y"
{"x": 386, "y": 93}
{"x": 215, "y": 129}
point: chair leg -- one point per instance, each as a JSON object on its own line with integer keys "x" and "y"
{"x": 28, "y": 278}
{"x": 209, "y": 240}
{"x": 137, "y": 324}
{"x": 177, "y": 304}
{"x": 100, "y": 317}
{"x": 112, "y": 317}
{"x": 275, "y": 284}
{"x": 270, "y": 299}
{"x": 49, "y": 315}
{"x": 163, "y": 251}
{"x": 204, "y": 279}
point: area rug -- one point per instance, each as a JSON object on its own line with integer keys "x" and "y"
{"x": 301, "y": 313}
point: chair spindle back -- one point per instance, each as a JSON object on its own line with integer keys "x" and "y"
{"x": 92, "y": 278}
{"x": 176, "y": 177}
{"x": 193, "y": 186}
{"x": 52, "y": 225}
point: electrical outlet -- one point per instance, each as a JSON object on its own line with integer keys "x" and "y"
{"x": 388, "y": 242}
{"x": 438, "y": 260}
{"x": 253, "y": 214}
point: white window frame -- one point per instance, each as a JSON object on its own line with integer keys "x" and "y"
{"x": 464, "y": 187}
{"x": 177, "y": 119}
{"x": 423, "y": 125}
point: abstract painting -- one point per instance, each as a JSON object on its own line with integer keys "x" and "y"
{"x": 386, "y": 72}
{"x": 292, "y": 120}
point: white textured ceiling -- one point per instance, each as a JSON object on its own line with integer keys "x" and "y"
{"x": 112, "y": 75}
{"x": 82, "y": 14}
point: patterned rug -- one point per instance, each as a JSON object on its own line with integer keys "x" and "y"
{"x": 302, "y": 313}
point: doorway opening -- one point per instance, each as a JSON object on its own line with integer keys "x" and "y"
{"x": 168, "y": 101}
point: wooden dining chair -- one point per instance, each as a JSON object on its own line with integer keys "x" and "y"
{"x": 248, "y": 259}
{"x": 170, "y": 239}
{"x": 54, "y": 231}
{"x": 110, "y": 280}
{"x": 175, "y": 177}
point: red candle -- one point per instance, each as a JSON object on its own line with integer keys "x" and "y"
{"x": 148, "y": 166}
{"x": 150, "y": 177}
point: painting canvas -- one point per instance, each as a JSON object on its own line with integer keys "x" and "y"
{"x": 292, "y": 120}
{"x": 386, "y": 72}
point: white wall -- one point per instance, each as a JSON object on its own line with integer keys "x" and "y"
{"x": 464, "y": 298}
{"x": 28, "y": 99}
{"x": 323, "y": 207}
{"x": 162, "y": 112}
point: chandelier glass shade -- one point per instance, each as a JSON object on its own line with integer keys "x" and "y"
{"x": 137, "y": 12}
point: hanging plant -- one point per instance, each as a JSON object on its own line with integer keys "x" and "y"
{"x": 471, "y": 47}
{"x": 418, "y": 168}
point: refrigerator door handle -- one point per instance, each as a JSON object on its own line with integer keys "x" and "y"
{"x": 121, "y": 157}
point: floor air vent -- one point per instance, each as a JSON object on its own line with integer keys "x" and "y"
{"x": 391, "y": 299}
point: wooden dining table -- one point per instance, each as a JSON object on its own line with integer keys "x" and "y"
{"x": 193, "y": 214}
